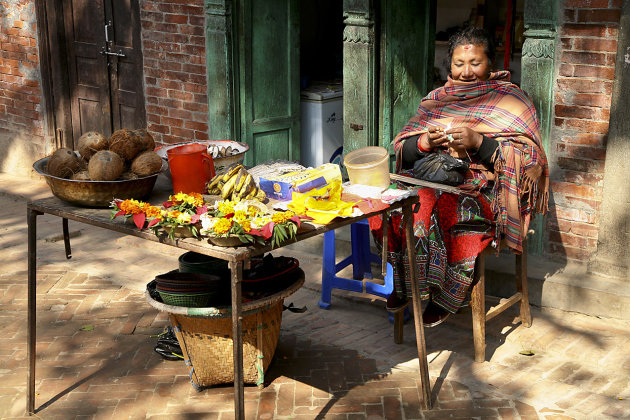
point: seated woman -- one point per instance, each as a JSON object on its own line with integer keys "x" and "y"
{"x": 482, "y": 118}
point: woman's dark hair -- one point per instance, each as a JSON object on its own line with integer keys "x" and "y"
{"x": 471, "y": 35}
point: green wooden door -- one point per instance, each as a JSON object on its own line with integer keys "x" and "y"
{"x": 269, "y": 79}
{"x": 408, "y": 44}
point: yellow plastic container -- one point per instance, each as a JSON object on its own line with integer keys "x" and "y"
{"x": 368, "y": 166}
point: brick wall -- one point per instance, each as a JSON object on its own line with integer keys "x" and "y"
{"x": 21, "y": 121}
{"x": 173, "y": 47}
{"x": 588, "y": 46}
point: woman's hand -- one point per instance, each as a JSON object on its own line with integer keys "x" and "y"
{"x": 462, "y": 138}
{"x": 435, "y": 138}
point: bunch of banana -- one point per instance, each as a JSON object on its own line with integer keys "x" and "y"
{"x": 235, "y": 184}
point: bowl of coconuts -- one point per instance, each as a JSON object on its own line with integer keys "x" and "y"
{"x": 123, "y": 166}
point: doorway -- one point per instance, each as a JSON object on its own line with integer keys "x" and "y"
{"x": 96, "y": 67}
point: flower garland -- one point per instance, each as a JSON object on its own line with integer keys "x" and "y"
{"x": 250, "y": 221}
{"x": 181, "y": 210}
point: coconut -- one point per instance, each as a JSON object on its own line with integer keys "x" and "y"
{"x": 147, "y": 139}
{"x": 146, "y": 163}
{"x": 125, "y": 143}
{"x": 128, "y": 176}
{"x": 105, "y": 165}
{"x": 90, "y": 143}
{"x": 81, "y": 176}
{"x": 63, "y": 163}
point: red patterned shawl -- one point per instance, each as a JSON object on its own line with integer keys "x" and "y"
{"x": 498, "y": 109}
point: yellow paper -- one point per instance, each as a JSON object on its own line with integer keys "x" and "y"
{"x": 322, "y": 204}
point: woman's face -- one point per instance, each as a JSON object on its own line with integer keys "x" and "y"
{"x": 470, "y": 63}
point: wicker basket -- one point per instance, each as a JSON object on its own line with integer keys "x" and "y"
{"x": 207, "y": 345}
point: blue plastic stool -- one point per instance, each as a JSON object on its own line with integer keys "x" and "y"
{"x": 361, "y": 260}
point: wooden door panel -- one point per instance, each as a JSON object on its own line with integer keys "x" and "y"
{"x": 87, "y": 68}
{"x": 269, "y": 82}
{"x": 127, "y": 94}
{"x": 272, "y": 145}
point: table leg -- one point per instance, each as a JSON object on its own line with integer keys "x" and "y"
{"x": 236, "y": 270}
{"x": 417, "y": 313}
{"x": 31, "y": 220}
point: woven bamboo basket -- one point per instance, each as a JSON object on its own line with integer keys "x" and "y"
{"x": 205, "y": 336}
{"x": 207, "y": 345}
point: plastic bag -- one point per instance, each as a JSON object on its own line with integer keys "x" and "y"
{"x": 441, "y": 168}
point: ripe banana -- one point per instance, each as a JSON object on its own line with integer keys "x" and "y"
{"x": 247, "y": 185}
{"x": 240, "y": 179}
{"x": 214, "y": 182}
{"x": 230, "y": 172}
{"x": 227, "y": 189}
{"x": 260, "y": 195}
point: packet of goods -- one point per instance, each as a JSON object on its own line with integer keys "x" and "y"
{"x": 281, "y": 187}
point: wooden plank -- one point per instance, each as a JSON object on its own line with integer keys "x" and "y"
{"x": 503, "y": 305}
{"x": 427, "y": 184}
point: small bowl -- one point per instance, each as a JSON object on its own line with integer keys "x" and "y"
{"x": 96, "y": 193}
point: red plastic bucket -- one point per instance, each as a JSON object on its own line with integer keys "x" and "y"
{"x": 191, "y": 168}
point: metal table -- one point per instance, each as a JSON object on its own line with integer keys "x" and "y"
{"x": 238, "y": 258}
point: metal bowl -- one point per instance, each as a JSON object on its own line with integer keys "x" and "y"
{"x": 96, "y": 193}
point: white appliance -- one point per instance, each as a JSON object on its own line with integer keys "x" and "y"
{"x": 322, "y": 124}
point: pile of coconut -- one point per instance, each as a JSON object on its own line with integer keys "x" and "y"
{"x": 127, "y": 154}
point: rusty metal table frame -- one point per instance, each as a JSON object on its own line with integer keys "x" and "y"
{"x": 238, "y": 258}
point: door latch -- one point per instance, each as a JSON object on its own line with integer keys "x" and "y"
{"x": 117, "y": 54}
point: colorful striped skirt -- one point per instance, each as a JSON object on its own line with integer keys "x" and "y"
{"x": 450, "y": 231}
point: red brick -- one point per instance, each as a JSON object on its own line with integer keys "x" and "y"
{"x": 196, "y": 107}
{"x": 180, "y": 113}
{"x": 195, "y": 88}
{"x": 611, "y": 59}
{"x": 584, "y": 85}
{"x": 601, "y": 15}
{"x": 595, "y": 44}
{"x": 568, "y": 239}
{"x": 176, "y": 19}
{"x": 580, "y": 57}
{"x": 172, "y": 122}
{"x": 196, "y": 20}
{"x": 566, "y": 70}
{"x": 201, "y": 135}
{"x": 195, "y": 69}
{"x": 590, "y": 99}
{"x": 607, "y": 73}
{"x": 198, "y": 126}
{"x": 567, "y": 43}
{"x": 183, "y": 96}
{"x": 170, "y": 103}
{"x": 159, "y": 128}
{"x": 171, "y": 84}
{"x": 587, "y": 126}
{"x": 569, "y": 15}
{"x": 574, "y": 111}
{"x": 586, "y": 139}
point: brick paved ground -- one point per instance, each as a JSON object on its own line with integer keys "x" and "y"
{"x": 96, "y": 359}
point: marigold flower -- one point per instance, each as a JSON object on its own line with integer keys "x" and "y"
{"x": 173, "y": 214}
{"x": 246, "y": 225}
{"x": 153, "y": 211}
{"x": 239, "y": 216}
{"x": 222, "y": 226}
{"x": 226, "y": 207}
{"x": 282, "y": 217}
{"x": 183, "y": 218}
{"x": 131, "y": 206}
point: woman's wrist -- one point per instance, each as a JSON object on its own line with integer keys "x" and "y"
{"x": 423, "y": 143}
